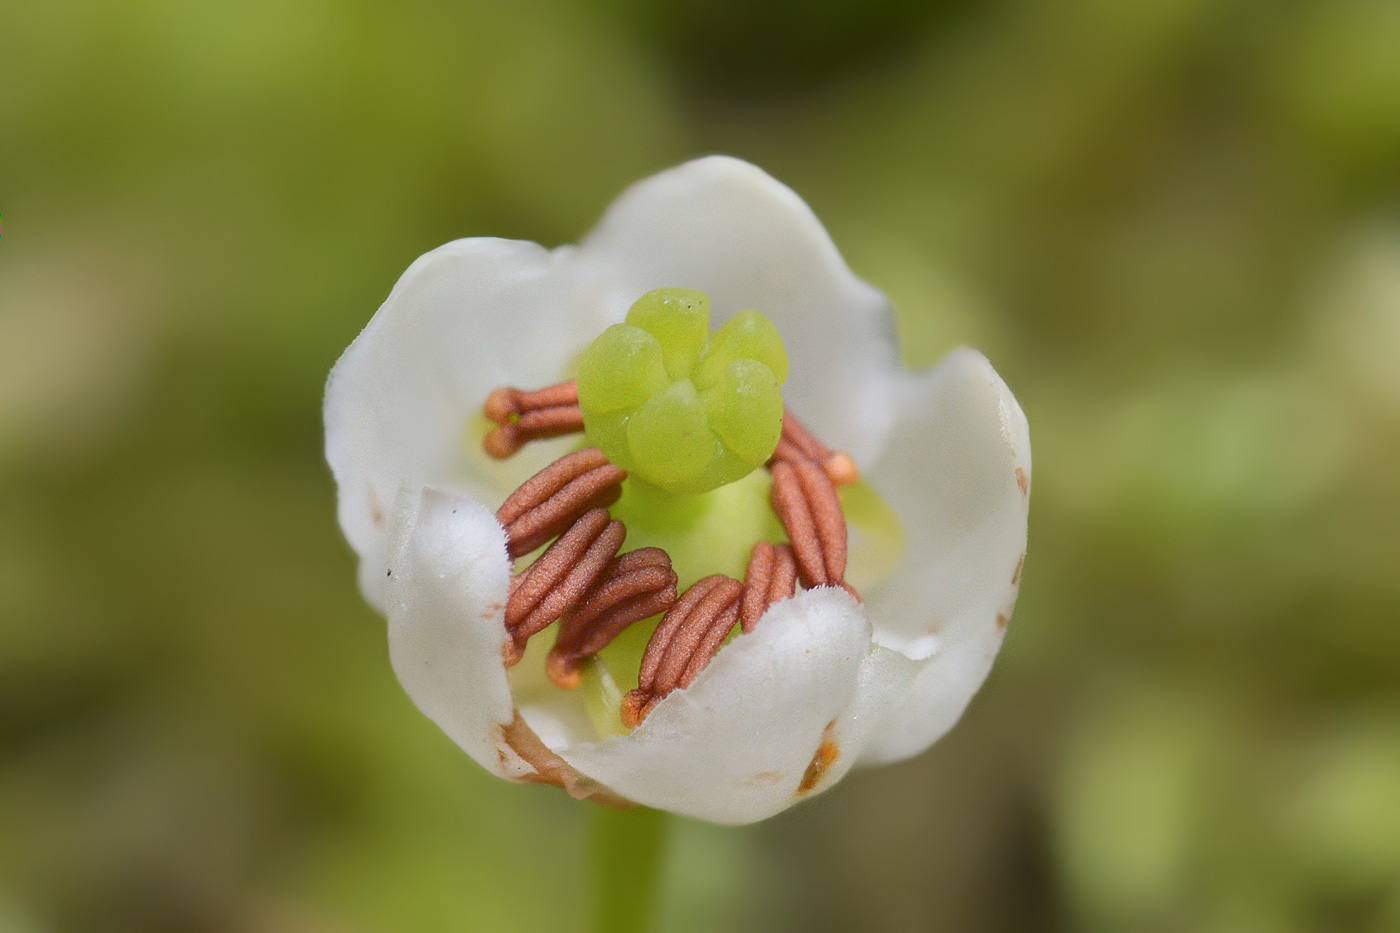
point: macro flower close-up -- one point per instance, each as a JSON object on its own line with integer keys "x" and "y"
{"x": 567, "y": 466}
{"x": 775, "y": 554}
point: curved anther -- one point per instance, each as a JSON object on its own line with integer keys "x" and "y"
{"x": 561, "y": 578}
{"x": 633, "y": 586}
{"x": 771, "y": 576}
{"x": 507, "y": 401}
{"x": 595, "y": 593}
{"x": 807, "y": 505}
{"x": 529, "y": 416}
{"x": 554, "y": 498}
{"x": 536, "y": 425}
{"x": 798, "y": 443}
{"x": 686, "y": 640}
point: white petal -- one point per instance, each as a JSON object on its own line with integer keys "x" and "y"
{"x": 447, "y": 586}
{"x": 446, "y": 593}
{"x": 463, "y": 319}
{"x": 727, "y": 228}
{"x": 883, "y": 682}
{"x": 956, "y": 469}
{"x": 735, "y": 746}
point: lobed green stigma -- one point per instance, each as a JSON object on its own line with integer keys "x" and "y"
{"x": 680, "y": 407}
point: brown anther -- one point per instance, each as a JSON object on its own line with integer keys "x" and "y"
{"x": 553, "y": 499}
{"x": 686, "y": 640}
{"x": 505, "y": 402}
{"x": 771, "y": 576}
{"x": 537, "y": 425}
{"x": 807, "y": 505}
{"x": 798, "y": 443}
{"x": 528, "y": 416}
{"x": 562, "y": 577}
{"x": 633, "y": 586}
{"x": 595, "y": 593}
{"x": 635, "y": 707}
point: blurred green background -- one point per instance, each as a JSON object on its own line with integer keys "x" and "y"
{"x": 1171, "y": 224}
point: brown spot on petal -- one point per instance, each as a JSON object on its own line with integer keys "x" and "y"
{"x": 764, "y": 779}
{"x": 1023, "y": 481}
{"x": 1016, "y": 575}
{"x": 549, "y": 767}
{"x": 1003, "y": 620}
{"x": 822, "y": 759}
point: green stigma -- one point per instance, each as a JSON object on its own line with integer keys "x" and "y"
{"x": 680, "y": 407}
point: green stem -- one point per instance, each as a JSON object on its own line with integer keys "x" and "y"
{"x": 628, "y": 848}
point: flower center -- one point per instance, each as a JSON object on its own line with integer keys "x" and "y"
{"x": 679, "y": 420}
{"x": 678, "y": 406}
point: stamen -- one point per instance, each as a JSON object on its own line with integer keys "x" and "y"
{"x": 553, "y": 499}
{"x": 507, "y": 401}
{"x": 529, "y": 416}
{"x": 771, "y": 576}
{"x": 581, "y": 580}
{"x": 806, "y": 503}
{"x": 561, "y": 578}
{"x": 537, "y": 425}
{"x": 633, "y": 586}
{"x": 798, "y": 443}
{"x": 685, "y": 641}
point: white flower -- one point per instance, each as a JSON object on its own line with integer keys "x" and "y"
{"x": 825, "y": 682}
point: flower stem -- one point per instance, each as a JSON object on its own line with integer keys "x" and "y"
{"x": 628, "y": 849}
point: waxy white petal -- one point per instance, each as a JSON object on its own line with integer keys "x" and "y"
{"x": 784, "y": 711}
{"x": 447, "y": 589}
{"x": 445, "y": 593}
{"x": 736, "y": 746}
{"x": 465, "y": 318}
{"x": 956, "y": 469}
{"x": 748, "y": 241}
{"x": 883, "y": 682}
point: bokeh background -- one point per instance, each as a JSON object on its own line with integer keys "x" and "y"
{"x": 1172, "y": 224}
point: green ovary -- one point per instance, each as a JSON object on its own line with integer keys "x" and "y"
{"x": 677, "y": 406}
